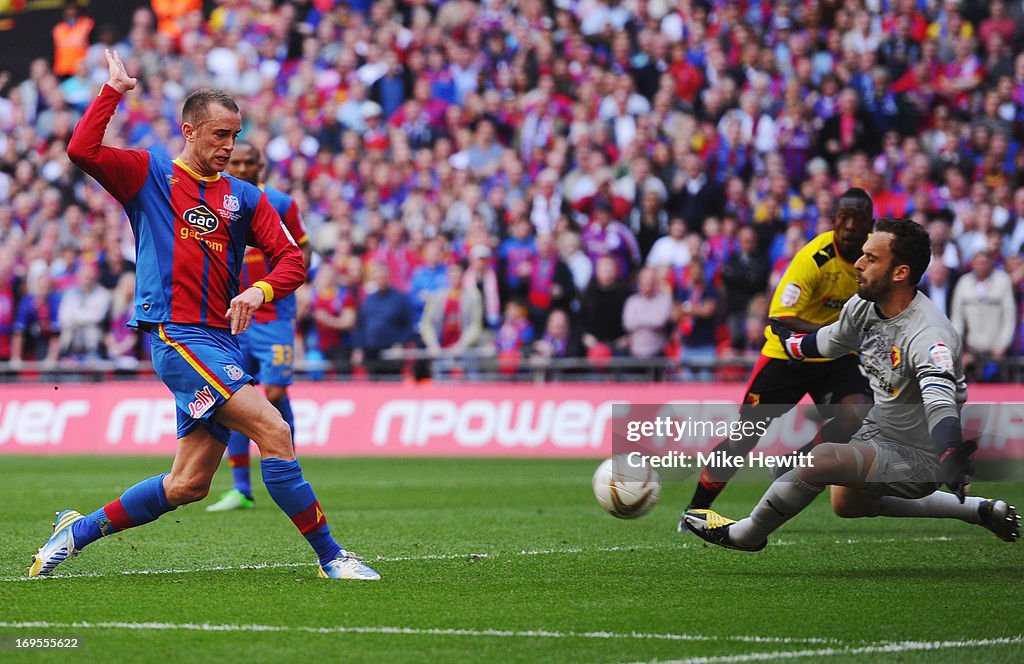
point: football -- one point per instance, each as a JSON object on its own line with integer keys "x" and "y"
{"x": 623, "y": 491}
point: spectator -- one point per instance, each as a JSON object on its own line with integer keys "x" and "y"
{"x": 516, "y": 254}
{"x": 452, "y": 322}
{"x": 83, "y": 310}
{"x": 671, "y": 250}
{"x": 36, "y": 334}
{"x": 646, "y": 316}
{"x": 900, "y": 49}
{"x": 481, "y": 275}
{"x": 696, "y": 310}
{"x": 940, "y": 231}
{"x": 694, "y": 197}
{"x": 547, "y": 202}
{"x": 558, "y": 340}
{"x": 469, "y": 125}
{"x": 9, "y": 287}
{"x": 384, "y": 321}
{"x": 606, "y": 236}
{"x": 333, "y": 310}
{"x": 395, "y": 252}
{"x": 429, "y": 277}
{"x": 849, "y": 130}
{"x": 515, "y": 334}
{"x": 123, "y": 343}
{"x": 745, "y": 274}
{"x": 113, "y": 264}
{"x": 649, "y": 221}
{"x": 985, "y": 314}
{"x": 485, "y": 153}
{"x": 939, "y": 284}
{"x": 545, "y": 282}
{"x": 601, "y": 308}
{"x": 570, "y": 249}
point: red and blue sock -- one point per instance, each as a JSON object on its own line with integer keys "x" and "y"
{"x": 295, "y": 497}
{"x": 142, "y": 503}
{"x": 238, "y": 459}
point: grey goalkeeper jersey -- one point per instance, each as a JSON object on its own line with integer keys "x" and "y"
{"x": 912, "y": 361}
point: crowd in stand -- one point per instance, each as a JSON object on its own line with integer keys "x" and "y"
{"x": 553, "y": 178}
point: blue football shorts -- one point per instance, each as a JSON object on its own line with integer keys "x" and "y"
{"x": 268, "y": 351}
{"x": 202, "y": 366}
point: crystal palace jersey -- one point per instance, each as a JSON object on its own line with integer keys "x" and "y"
{"x": 256, "y": 265}
{"x": 190, "y": 231}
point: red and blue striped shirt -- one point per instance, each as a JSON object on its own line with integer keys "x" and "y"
{"x": 256, "y": 266}
{"x": 190, "y": 231}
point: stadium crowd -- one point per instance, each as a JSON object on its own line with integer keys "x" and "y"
{"x": 566, "y": 178}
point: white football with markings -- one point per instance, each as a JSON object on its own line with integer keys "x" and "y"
{"x": 623, "y": 491}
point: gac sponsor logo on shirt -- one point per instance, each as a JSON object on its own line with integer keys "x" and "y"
{"x": 200, "y": 222}
{"x": 201, "y": 219}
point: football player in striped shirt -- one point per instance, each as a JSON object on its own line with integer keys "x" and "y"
{"x": 191, "y": 227}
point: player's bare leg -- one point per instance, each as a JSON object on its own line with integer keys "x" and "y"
{"x": 195, "y": 464}
{"x": 249, "y": 413}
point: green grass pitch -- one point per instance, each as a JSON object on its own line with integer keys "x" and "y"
{"x": 496, "y": 561}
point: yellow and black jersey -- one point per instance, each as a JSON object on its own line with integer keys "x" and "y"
{"x": 816, "y": 285}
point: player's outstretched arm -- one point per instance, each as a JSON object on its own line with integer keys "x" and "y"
{"x": 832, "y": 341}
{"x": 121, "y": 172}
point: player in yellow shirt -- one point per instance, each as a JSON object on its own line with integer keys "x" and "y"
{"x": 816, "y": 285}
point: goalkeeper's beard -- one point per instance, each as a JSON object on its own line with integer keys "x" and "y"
{"x": 872, "y": 291}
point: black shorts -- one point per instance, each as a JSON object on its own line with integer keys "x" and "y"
{"x": 777, "y": 385}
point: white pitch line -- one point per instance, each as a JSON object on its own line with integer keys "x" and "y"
{"x": 415, "y": 631}
{"x": 691, "y": 544}
{"x": 373, "y": 559}
{"x": 875, "y": 649}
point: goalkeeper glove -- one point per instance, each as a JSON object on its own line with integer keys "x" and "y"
{"x": 790, "y": 340}
{"x": 956, "y": 466}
